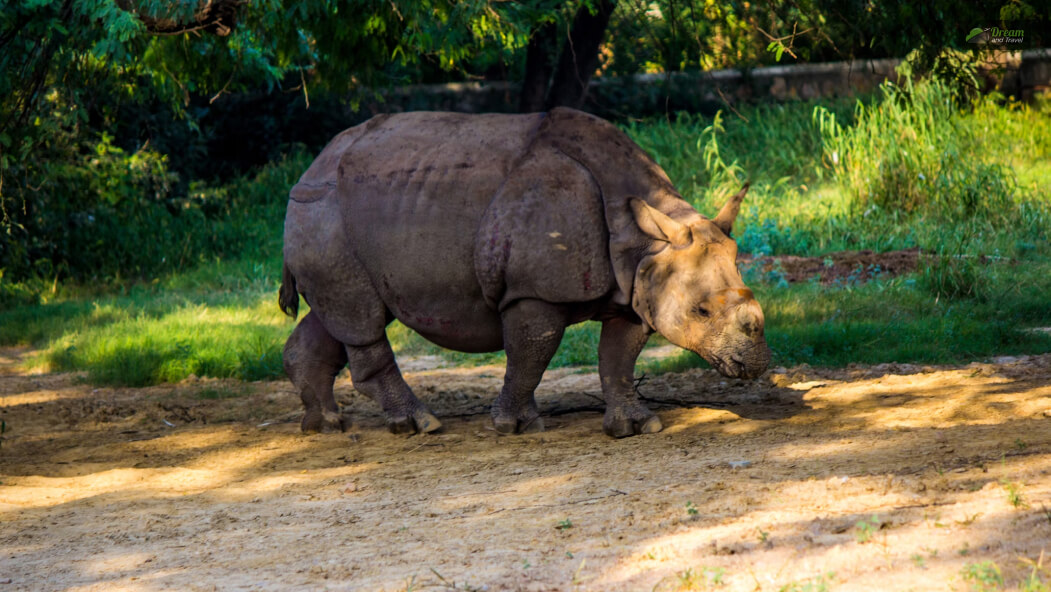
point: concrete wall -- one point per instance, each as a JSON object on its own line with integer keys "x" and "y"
{"x": 1021, "y": 74}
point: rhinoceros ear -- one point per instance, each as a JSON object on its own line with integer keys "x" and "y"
{"x": 657, "y": 225}
{"x": 725, "y": 219}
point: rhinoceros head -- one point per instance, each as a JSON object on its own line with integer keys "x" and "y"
{"x": 688, "y": 288}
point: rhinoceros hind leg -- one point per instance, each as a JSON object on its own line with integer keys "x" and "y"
{"x": 619, "y": 346}
{"x": 376, "y": 374}
{"x": 312, "y": 359}
{"x": 532, "y": 331}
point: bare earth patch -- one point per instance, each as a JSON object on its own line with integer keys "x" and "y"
{"x": 208, "y": 485}
{"x": 842, "y": 266}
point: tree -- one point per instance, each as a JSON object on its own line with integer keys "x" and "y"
{"x": 544, "y": 86}
{"x": 74, "y": 72}
{"x": 218, "y": 17}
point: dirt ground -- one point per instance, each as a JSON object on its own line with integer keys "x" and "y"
{"x": 208, "y": 485}
{"x": 841, "y": 267}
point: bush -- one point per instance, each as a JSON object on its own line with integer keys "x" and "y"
{"x": 913, "y": 152}
{"x": 106, "y": 213}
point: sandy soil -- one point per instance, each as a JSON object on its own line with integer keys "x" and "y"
{"x": 208, "y": 485}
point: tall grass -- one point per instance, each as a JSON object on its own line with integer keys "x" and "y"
{"x": 914, "y": 152}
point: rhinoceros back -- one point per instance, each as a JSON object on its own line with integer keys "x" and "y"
{"x": 411, "y": 190}
{"x": 415, "y": 187}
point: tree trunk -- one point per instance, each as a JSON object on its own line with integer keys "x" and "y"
{"x": 540, "y": 63}
{"x": 579, "y": 56}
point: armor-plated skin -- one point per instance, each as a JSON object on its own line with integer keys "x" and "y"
{"x": 488, "y": 232}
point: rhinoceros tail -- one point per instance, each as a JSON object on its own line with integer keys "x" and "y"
{"x": 287, "y": 295}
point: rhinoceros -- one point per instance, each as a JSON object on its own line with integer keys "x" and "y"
{"x": 495, "y": 231}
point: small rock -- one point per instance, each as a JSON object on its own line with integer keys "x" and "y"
{"x": 350, "y": 487}
{"x": 739, "y": 464}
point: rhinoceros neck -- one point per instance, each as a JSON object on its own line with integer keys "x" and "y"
{"x": 622, "y": 170}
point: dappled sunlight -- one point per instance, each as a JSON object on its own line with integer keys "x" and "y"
{"x": 108, "y": 563}
{"x": 40, "y": 396}
{"x": 686, "y": 419}
{"x": 188, "y": 441}
{"x": 44, "y": 492}
{"x": 767, "y": 480}
{"x": 867, "y": 532}
{"x": 522, "y": 493}
{"x": 286, "y": 480}
{"x": 919, "y": 400}
{"x": 208, "y": 460}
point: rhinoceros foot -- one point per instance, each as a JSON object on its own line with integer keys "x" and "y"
{"x": 323, "y": 421}
{"x": 512, "y": 425}
{"x": 421, "y": 422}
{"x": 640, "y": 421}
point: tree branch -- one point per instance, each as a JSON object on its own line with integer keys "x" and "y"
{"x": 218, "y": 17}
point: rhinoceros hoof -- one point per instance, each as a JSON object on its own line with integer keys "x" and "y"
{"x": 422, "y": 422}
{"x": 325, "y": 422}
{"x": 505, "y": 425}
{"x": 622, "y": 427}
{"x": 427, "y": 423}
{"x": 650, "y": 426}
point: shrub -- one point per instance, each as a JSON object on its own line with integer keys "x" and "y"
{"x": 914, "y": 152}
{"x": 107, "y": 213}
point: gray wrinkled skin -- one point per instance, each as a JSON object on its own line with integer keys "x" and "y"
{"x": 488, "y": 232}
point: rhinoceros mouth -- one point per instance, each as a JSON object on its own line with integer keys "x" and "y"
{"x": 736, "y": 365}
{"x": 729, "y": 367}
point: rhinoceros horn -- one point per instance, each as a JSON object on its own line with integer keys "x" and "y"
{"x": 725, "y": 219}
{"x": 659, "y": 225}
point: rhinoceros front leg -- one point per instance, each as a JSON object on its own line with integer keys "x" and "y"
{"x": 532, "y": 332}
{"x": 619, "y": 346}
{"x": 375, "y": 373}
{"x": 312, "y": 359}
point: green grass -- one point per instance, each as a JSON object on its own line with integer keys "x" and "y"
{"x": 989, "y": 165}
{"x": 157, "y": 334}
{"x": 897, "y": 320}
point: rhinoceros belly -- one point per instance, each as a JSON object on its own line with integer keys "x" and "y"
{"x": 414, "y": 189}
